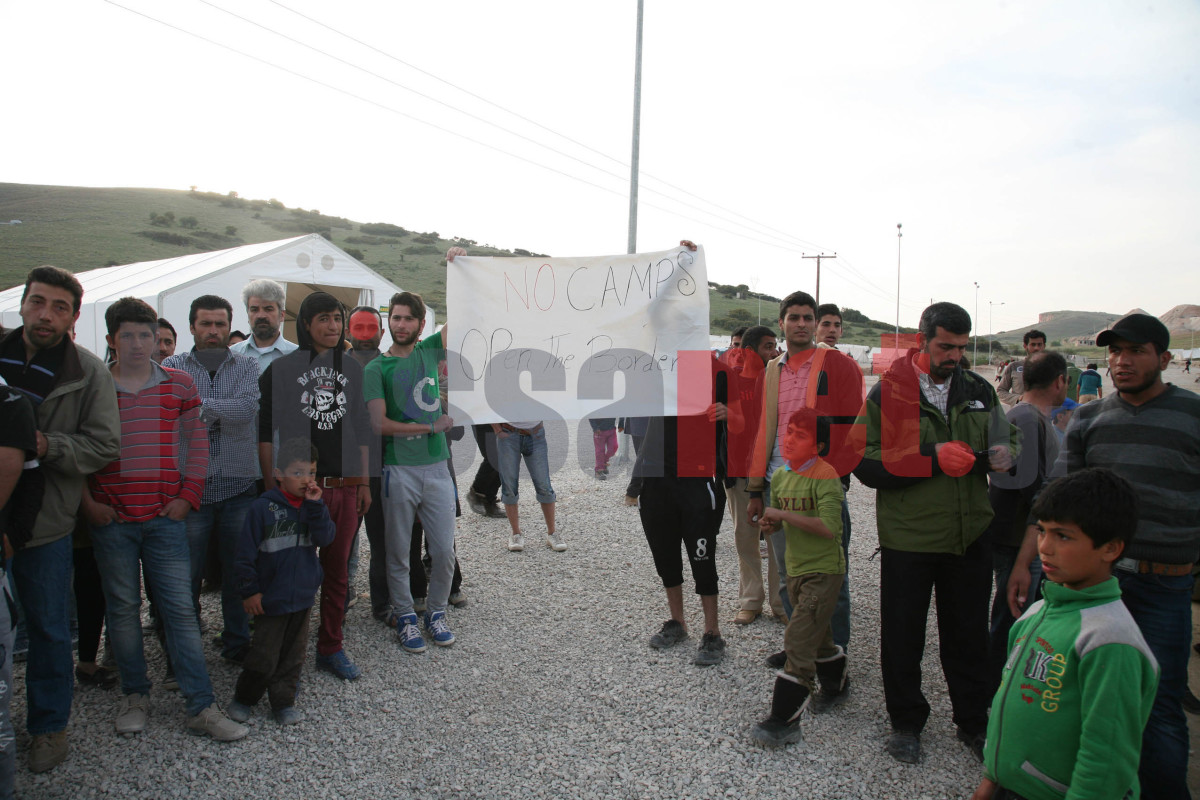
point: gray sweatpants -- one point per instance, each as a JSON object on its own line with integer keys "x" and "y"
{"x": 427, "y": 492}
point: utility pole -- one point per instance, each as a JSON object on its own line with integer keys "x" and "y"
{"x": 975, "y": 325}
{"x": 818, "y": 257}
{"x": 896, "y": 344}
{"x": 637, "y": 127}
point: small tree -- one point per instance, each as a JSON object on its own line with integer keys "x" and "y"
{"x": 230, "y": 230}
{"x": 354, "y": 252}
{"x": 188, "y": 222}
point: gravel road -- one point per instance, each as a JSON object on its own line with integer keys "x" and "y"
{"x": 550, "y": 691}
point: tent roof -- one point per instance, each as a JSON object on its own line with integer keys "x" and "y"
{"x": 145, "y": 278}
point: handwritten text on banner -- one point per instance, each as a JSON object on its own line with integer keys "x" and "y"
{"x": 567, "y": 338}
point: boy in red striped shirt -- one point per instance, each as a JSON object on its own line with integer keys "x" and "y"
{"x": 136, "y": 507}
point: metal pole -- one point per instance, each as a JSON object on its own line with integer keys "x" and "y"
{"x": 975, "y": 357}
{"x": 637, "y": 128}
{"x": 991, "y": 303}
{"x": 818, "y": 257}
{"x": 898, "y": 235}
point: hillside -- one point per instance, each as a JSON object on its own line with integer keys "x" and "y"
{"x": 81, "y": 228}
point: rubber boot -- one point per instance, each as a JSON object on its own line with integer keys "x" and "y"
{"x": 787, "y": 707}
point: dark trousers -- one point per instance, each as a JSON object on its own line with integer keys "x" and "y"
{"x": 276, "y": 656}
{"x": 377, "y": 569}
{"x": 634, "y": 489}
{"x": 89, "y": 603}
{"x": 962, "y": 585}
{"x": 487, "y": 479}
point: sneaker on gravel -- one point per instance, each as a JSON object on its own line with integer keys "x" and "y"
{"x": 48, "y": 751}
{"x": 238, "y": 712}
{"x": 458, "y": 599}
{"x": 213, "y": 722}
{"x": 419, "y": 605}
{"x": 339, "y": 664}
{"x": 288, "y": 715}
{"x": 476, "y": 502}
{"x": 132, "y": 712}
{"x": 904, "y": 746}
{"x": 711, "y": 650}
{"x": 671, "y": 633}
{"x": 438, "y": 630}
{"x": 777, "y": 660}
{"x": 409, "y": 634}
{"x": 516, "y": 543}
{"x": 555, "y": 541}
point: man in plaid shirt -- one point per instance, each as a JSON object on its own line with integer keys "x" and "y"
{"x": 228, "y": 388}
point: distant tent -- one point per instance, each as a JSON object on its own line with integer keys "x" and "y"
{"x": 303, "y": 265}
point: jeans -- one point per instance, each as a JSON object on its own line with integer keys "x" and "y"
{"x": 841, "y": 614}
{"x": 1003, "y": 558}
{"x": 509, "y": 450}
{"x": 1161, "y": 606}
{"x": 162, "y": 545}
{"x": 8, "y": 741}
{"x": 42, "y": 576}
{"x": 227, "y": 517}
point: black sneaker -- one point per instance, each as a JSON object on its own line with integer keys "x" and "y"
{"x": 777, "y": 660}
{"x": 904, "y": 746}
{"x": 974, "y": 741}
{"x": 711, "y": 651}
{"x": 476, "y": 502}
{"x": 671, "y": 634}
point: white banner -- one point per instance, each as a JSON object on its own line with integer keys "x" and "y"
{"x": 568, "y": 338}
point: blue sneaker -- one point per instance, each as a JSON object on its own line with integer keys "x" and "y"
{"x": 339, "y": 664}
{"x": 439, "y": 631}
{"x": 409, "y": 633}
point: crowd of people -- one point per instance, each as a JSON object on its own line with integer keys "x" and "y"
{"x": 127, "y": 477}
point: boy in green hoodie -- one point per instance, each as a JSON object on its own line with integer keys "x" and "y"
{"x": 1080, "y": 680}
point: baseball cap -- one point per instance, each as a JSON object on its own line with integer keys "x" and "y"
{"x": 1137, "y": 328}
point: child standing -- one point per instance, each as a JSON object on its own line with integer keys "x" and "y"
{"x": 279, "y": 574}
{"x": 806, "y": 501}
{"x": 1080, "y": 680}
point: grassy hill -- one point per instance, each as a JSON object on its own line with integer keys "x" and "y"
{"x": 1063, "y": 325}
{"x": 81, "y": 228}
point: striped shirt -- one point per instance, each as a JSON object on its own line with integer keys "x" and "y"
{"x": 1156, "y": 447}
{"x": 229, "y": 410}
{"x": 164, "y": 449}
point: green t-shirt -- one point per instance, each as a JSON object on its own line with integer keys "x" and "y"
{"x": 814, "y": 492}
{"x": 409, "y": 386}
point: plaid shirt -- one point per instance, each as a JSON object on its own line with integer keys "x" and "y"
{"x": 229, "y": 408}
{"x": 937, "y": 394}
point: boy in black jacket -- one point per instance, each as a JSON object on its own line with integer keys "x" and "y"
{"x": 279, "y": 575}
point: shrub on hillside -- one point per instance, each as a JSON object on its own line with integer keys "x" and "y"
{"x": 424, "y": 240}
{"x": 371, "y": 240}
{"x": 356, "y": 253}
{"x": 188, "y": 222}
{"x": 422, "y": 249}
{"x": 166, "y": 237}
{"x": 382, "y": 229}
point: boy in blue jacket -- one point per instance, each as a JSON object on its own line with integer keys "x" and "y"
{"x": 279, "y": 574}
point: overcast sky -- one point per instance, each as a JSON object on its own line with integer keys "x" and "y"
{"x": 1048, "y": 151}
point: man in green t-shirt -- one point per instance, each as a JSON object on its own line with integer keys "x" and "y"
{"x": 402, "y": 393}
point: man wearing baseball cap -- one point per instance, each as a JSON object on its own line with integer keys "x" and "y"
{"x": 1148, "y": 432}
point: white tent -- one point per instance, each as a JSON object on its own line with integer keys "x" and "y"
{"x": 303, "y": 265}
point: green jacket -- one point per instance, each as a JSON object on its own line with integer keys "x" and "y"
{"x": 82, "y": 426}
{"x": 918, "y": 507}
{"x": 1074, "y": 697}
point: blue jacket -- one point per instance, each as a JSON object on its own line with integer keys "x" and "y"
{"x": 277, "y": 552}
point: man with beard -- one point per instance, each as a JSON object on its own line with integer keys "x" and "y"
{"x": 264, "y": 307}
{"x": 228, "y": 388}
{"x": 1012, "y": 382}
{"x": 316, "y": 394}
{"x": 1148, "y": 432}
{"x": 78, "y": 432}
{"x": 933, "y": 432}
